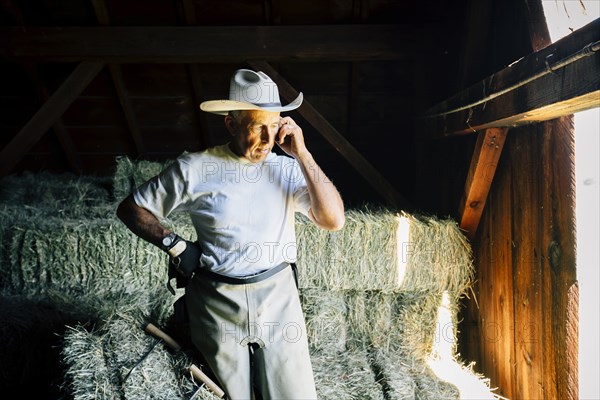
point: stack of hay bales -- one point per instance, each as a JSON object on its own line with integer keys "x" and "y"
{"x": 370, "y": 292}
{"x": 65, "y": 257}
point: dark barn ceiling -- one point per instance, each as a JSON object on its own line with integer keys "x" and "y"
{"x": 369, "y": 67}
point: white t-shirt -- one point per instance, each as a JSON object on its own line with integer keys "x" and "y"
{"x": 243, "y": 212}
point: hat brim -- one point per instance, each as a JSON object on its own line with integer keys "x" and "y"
{"x": 222, "y": 107}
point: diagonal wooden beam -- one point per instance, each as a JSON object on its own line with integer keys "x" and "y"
{"x": 345, "y": 148}
{"x": 117, "y": 77}
{"x": 187, "y": 13}
{"x": 59, "y": 129}
{"x": 47, "y": 115}
{"x": 103, "y": 17}
{"x": 479, "y": 178}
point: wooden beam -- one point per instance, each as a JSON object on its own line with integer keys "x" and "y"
{"x": 336, "y": 139}
{"x": 206, "y": 44}
{"x": 117, "y": 77}
{"x": 187, "y": 13}
{"x": 536, "y": 23}
{"x": 558, "y": 374}
{"x": 188, "y": 10}
{"x": 480, "y": 176}
{"x": 59, "y": 129}
{"x": 557, "y": 80}
{"x": 47, "y": 115}
{"x": 103, "y": 17}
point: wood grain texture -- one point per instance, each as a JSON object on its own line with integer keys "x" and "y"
{"x": 548, "y": 91}
{"x": 480, "y": 176}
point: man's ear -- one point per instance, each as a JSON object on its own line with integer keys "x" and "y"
{"x": 231, "y": 124}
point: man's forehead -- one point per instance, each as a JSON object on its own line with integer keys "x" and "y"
{"x": 260, "y": 116}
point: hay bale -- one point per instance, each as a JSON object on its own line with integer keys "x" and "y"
{"x": 101, "y": 364}
{"x": 397, "y": 380}
{"x": 62, "y": 194}
{"x": 374, "y": 287}
{"x": 360, "y": 256}
{"x": 326, "y": 319}
{"x": 130, "y": 174}
{"x": 422, "y": 382}
{"x": 381, "y": 250}
{"x": 438, "y": 255}
{"x": 345, "y": 375}
{"x": 74, "y": 254}
{"x": 100, "y": 261}
{"x": 393, "y": 322}
{"x": 88, "y": 376}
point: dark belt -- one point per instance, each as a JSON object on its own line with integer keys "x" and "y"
{"x": 241, "y": 280}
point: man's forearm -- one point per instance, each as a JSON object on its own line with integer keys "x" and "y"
{"x": 141, "y": 221}
{"x": 327, "y": 207}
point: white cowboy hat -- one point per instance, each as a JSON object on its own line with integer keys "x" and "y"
{"x": 249, "y": 90}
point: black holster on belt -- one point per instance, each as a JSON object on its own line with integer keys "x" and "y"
{"x": 179, "y": 307}
{"x": 180, "y": 280}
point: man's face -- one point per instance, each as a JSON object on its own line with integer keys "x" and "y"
{"x": 253, "y": 133}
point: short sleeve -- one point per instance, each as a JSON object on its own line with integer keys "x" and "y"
{"x": 300, "y": 190}
{"x": 165, "y": 193}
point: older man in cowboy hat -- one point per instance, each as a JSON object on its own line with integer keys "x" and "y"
{"x": 242, "y": 300}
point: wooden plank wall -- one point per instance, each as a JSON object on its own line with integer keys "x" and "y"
{"x": 518, "y": 331}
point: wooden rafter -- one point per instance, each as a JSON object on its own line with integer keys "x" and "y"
{"x": 557, "y": 80}
{"x": 103, "y": 17}
{"x": 188, "y": 10}
{"x": 117, "y": 77}
{"x": 336, "y": 139}
{"x": 206, "y": 44}
{"x": 354, "y": 66}
{"x": 187, "y": 13}
{"x": 479, "y": 179}
{"x": 47, "y": 115}
{"x": 59, "y": 129}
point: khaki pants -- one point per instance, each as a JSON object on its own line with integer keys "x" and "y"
{"x": 253, "y": 335}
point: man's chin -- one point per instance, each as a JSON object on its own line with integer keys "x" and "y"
{"x": 259, "y": 156}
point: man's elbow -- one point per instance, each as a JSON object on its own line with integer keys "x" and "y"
{"x": 337, "y": 224}
{"x": 332, "y": 223}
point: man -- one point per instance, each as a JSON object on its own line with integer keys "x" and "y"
{"x": 242, "y": 301}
